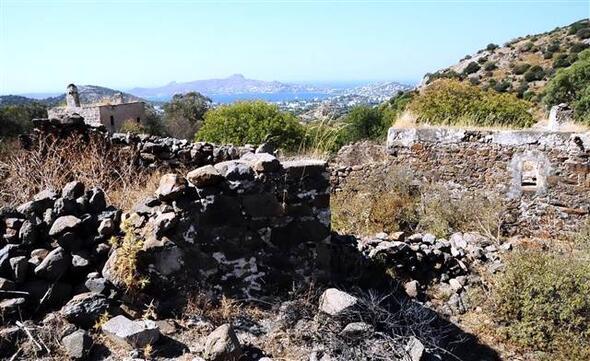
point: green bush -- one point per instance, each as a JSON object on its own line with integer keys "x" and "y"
{"x": 451, "y": 102}
{"x": 521, "y": 68}
{"x": 528, "y": 46}
{"x": 535, "y": 72}
{"x": 553, "y": 47}
{"x": 489, "y": 66}
{"x": 16, "y": 119}
{"x": 561, "y": 61}
{"x": 183, "y": 115}
{"x": 577, "y": 26}
{"x": 365, "y": 122}
{"x": 251, "y": 122}
{"x": 583, "y": 33}
{"x": 578, "y": 47}
{"x": 492, "y": 47}
{"x": 471, "y": 68}
{"x": 544, "y": 300}
{"x": 572, "y": 85}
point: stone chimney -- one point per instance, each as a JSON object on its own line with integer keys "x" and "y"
{"x": 72, "y": 97}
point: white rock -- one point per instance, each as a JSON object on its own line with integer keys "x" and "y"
{"x": 334, "y": 302}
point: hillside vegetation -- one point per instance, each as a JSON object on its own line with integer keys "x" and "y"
{"x": 522, "y": 66}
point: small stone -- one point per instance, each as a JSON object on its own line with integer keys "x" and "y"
{"x": 19, "y": 267}
{"x": 54, "y": 265}
{"x": 412, "y": 288}
{"x": 415, "y": 349}
{"x": 64, "y": 224}
{"x": 77, "y": 344}
{"x": 106, "y": 227}
{"x": 356, "y": 329}
{"x": 205, "y": 176}
{"x": 222, "y": 345}
{"x": 171, "y": 186}
{"x": 136, "y": 334}
{"x": 334, "y": 302}
{"x": 84, "y": 309}
{"x": 73, "y": 190}
{"x": 262, "y": 162}
{"x": 6, "y": 284}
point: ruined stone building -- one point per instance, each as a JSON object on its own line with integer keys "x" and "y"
{"x": 111, "y": 116}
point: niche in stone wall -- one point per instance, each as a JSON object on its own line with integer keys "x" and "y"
{"x": 529, "y": 173}
{"x": 529, "y": 176}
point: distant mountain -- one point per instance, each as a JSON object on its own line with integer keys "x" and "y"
{"x": 522, "y": 66}
{"x": 234, "y": 84}
{"x": 89, "y": 94}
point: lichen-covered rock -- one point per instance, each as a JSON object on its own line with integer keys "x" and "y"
{"x": 84, "y": 309}
{"x": 222, "y": 345}
{"x": 136, "y": 334}
{"x": 77, "y": 344}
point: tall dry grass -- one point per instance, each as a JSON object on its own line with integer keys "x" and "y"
{"x": 53, "y": 162}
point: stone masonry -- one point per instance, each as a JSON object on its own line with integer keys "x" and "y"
{"x": 543, "y": 176}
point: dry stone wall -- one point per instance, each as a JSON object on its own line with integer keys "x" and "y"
{"x": 151, "y": 150}
{"x": 250, "y": 226}
{"x": 543, "y": 176}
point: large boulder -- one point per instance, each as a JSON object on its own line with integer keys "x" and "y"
{"x": 262, "y": 162}
{"x": 222, "y": 345}
{"x": 335, "y": 302}
{"x": 137, "y": 334}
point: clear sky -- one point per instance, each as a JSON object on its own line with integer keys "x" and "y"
{"x": 121, "y": 44}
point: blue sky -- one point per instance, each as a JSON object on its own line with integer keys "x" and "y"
{"x": 121, "y": 44}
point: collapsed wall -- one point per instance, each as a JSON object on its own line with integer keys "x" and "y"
{"x": 544, "y": 177}
{"x": 250, "y": 227}
{"x": 243, "y": 227}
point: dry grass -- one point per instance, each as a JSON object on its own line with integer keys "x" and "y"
{"x": 54, "y": 162}
{"x": 125, "y": 267}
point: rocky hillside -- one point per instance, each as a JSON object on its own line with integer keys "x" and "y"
{"x": 522, "y": 66}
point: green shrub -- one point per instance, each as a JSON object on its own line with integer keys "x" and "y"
{"x": 503, "y": 86}
{"x": 16, "y": 119}
{"x": 446, "y": 74}
{"x": 577, "y": 26}
{"x": 583, "y": 33}
{"x": 450, "y": 102}
{"x": 547, "y": 55}
{"x": 571, "y": 85}
{"x": 561, "y": 61}
{"x": 251, "y": 122}
{"x": 535, "y": 72}
{"x": 471, "y": 68}
{"x": 528, "y": 46}
{"x": 131, "y": 126}
{"x": 492, "y": 47}
{"x": 543, "y": 300}
{"x": 553, "y": 47}
{"x": 322, "y": 138}
{"x": 578, "y": 47}
{"x": 365, "y": 122}
{"x": 521, "y": 68}
{"x": 522, "y": 88}
{"x": 489, "y": 66}
{"x": 183, "y": 115}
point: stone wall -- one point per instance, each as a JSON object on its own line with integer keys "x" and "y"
{"x": 151, "y": 150}
{"x": 543, "y": 176}
{"x": 251, "y": 226}
{"x": 244, "y": 227}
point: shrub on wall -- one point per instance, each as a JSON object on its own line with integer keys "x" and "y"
{"x": 450, "y": 102}
{"x": 251, "y": 122}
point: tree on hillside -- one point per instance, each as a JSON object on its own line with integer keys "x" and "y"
{"x": 183, "y": 115}
{"x": 572, "y": 85}
{"x": 251, "y": 122}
